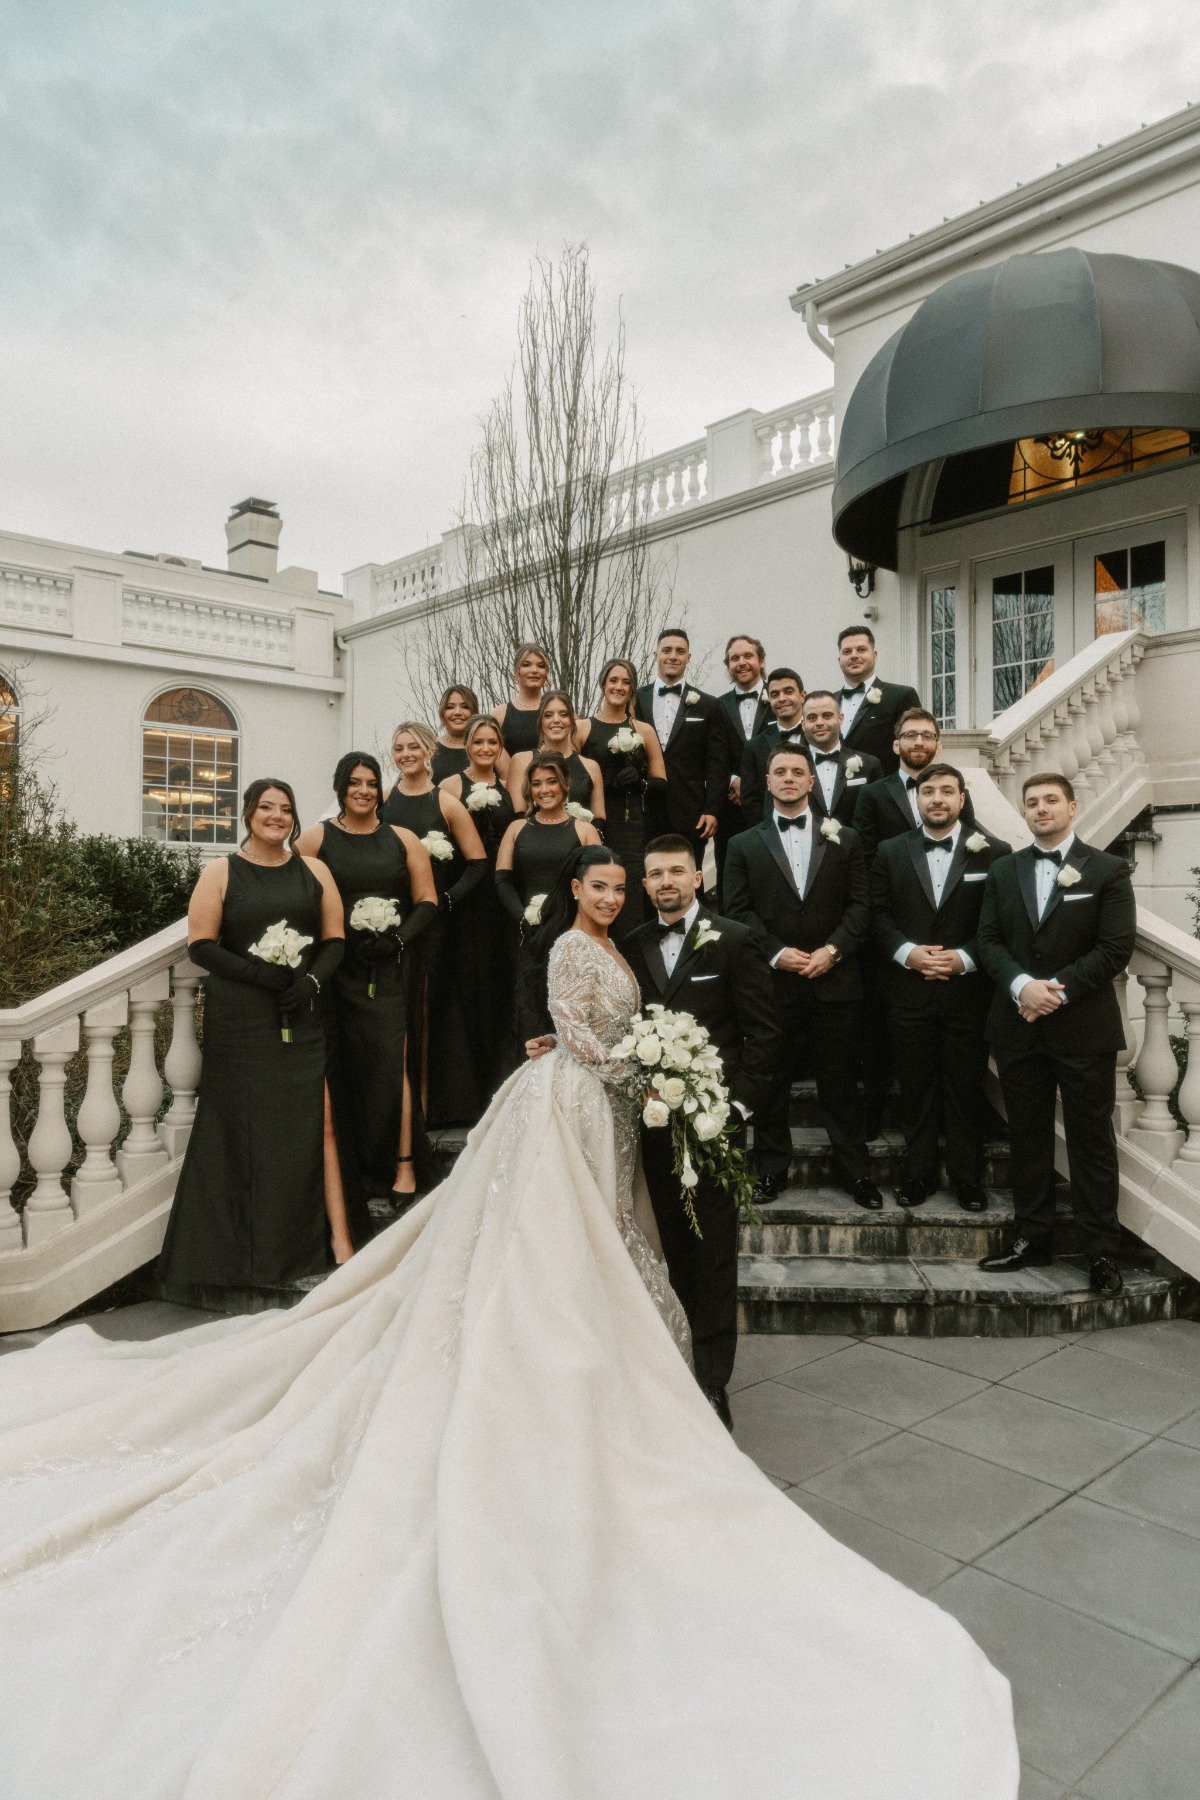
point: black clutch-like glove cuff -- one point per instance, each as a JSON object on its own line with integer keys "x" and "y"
{"x": 470, "y": 879}
{"x": 510, "y": 899}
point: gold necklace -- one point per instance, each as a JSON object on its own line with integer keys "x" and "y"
{"x": 263, "y": 864}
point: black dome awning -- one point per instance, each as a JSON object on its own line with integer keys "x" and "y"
{"x": 1056, "y": 341}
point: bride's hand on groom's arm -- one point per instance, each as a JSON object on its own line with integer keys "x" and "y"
{"x": 539, "y": 1046}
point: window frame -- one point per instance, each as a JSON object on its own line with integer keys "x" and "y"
{"x": 232, "y": 734}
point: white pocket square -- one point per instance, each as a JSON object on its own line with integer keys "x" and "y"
{"x": 1067, "y": 898}
{"x": 706, "y": 978}
{"x": 981, "y": 877}
{"x": 856, "y": 781}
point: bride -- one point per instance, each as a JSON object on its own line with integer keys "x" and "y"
{"x": 461, "y": 1525}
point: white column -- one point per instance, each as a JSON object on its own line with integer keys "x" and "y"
{"x": 1157, "y": 1070}
{"x": 1128, "y": 1106}
{"x": 48, "y": 1210}
{"x": 824, "y": 434}
{"x": 141, "y": 1153}
{"x": 1188, "y": 1161}
{"x": 766, "y": 446}
{"x": 99, "y": 1115}
{"x": 182, "y": 1064}
{"x": 10, "y": 1156}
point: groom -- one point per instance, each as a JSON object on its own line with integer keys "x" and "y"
{"x": 725, "y": 984}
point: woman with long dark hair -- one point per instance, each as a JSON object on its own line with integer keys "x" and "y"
{"x": 634, "y": 777}
{"x": 518, "y": 720}
{"x": 260, "y": 1198}
{"x": 528, "y": 865}
{"x": 365, "y": 1002}
{"x": 557, "y": 725}
{"x": 456, "y": 707}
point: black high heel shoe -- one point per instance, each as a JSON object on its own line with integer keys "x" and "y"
{"x": 400, "y": 1199}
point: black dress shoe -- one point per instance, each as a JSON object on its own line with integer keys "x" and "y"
{"x": 1105, "y": 1275}
{"x": 718, "y": 1399}
{"x": 865, "y": 1193}
{"x": 913, "y": 1193}
{"x": 769, "y": 1186}
{"x": 971, "y": 1197}
{"x": 1021, "y": 1253}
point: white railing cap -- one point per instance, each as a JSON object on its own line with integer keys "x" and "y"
{"x": 113, "y": 976}
{"x": 1158, "y": 937}
{"x": 1057, "y": 687}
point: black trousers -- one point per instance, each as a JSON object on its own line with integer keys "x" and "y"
{"x": 730, "y": 821}
{"x": 703, "y": 1270}
{"x": 876, "y": 1051}
{"x": 1030, "y": 1078}
{"x": 939, "y": 1054}
{"x": 821, "y": 1037}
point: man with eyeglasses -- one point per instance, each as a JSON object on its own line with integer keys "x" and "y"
{"x": 870, "y": 707}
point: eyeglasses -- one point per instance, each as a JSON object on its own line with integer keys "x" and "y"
{"x": 917, "y": 737}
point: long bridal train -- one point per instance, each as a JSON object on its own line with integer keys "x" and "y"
{"x": 459, "y": 1526}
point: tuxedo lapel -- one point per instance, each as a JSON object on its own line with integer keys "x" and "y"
{"x": 920, "y": 862}
{"x": 816, "y": 855}
{"x": 655, "y": 963}
{"x": 770, "y": 838}
{"x": 687, "y": 954}
{"x": 1027, "y": 881}
{"x": 958, "y": 863}
{"x": 1077, "y": 858}
{"x": 677, "y": 722}
{"x": 898, "y": 794}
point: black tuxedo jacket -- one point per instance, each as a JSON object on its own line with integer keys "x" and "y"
{"x": 753, "y": 769}
{"x": 903, "y": 911}
{"x": 1084, "y": 939}
{"x": 697, "y": 771}
{"x": 727, "y": 988}
{"x": 882, "y": 811}
{"x": 874, "y": 729}
{"x": 735, "y": 741}
{"x": 759, "y": 890}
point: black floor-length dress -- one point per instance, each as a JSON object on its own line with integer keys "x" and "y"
{"x": 519, "y": 728}
{"x": 437, "y": 1002}
{"x": 483, "y": 944}
{"x": 448, "y": 759}
{"x": 249, "y": 1208}
{"x": 538, "y": 857}
{"x": 367, "y": 1035}
{"x": 627, "y": 821}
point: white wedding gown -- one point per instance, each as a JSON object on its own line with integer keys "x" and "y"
{"x": 461, "y": 1525}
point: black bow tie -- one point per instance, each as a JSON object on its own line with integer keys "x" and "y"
{"x": 797, "y": 824}
{"x": 936, "y": 844}
{"x": 754, "y": 694}
{"x": 823, "y": 756}
{"x": 677, "y": 689}
{"x": 910, "y": 782}
{"x": 849, "y": 693}
{"x": 665, "y": 931}
{"x": 1054, "y": 856}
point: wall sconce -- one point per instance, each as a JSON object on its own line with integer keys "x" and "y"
{"x": 861, "y": 576}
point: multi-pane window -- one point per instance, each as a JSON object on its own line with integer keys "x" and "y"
{"x": 942, "y": 655}
{"x": 1131, "y": 589}
{"x": 1022, "y": 634}
{"x": 10, "y": 721}
{"x": 189, "y": 769}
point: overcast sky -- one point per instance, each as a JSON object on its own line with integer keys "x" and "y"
{"x": 277, "y": 246}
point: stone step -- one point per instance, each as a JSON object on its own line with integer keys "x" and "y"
{"x": 812, "y": 1159}
{"x": 826, "y": 1222}
{"x": 907, "y": 1297}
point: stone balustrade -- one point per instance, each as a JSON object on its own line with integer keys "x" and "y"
{"x": 795, "y": 438}
{"x": 34, "y": 600}
{"x": 181, "y": 623}
{"x": 78, "y": 1232}
{"x": 418, "y": 576}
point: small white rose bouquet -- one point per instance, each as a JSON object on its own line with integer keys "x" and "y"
{"x": 691, "y": 698}
{"x": 575, "y": 811}
{"x": 874, "y": 695}
{"x": 1068, "y": 877}
{"x": 853, "y": 765}
{"x": 481, "y": 796}
{"x": 705, "y": 934}
{"x": 687, "y": 1094}
{"x": 625, "y": 741}
{"x": 976, "y": 842}
{"x": 831, "y": 828}
{"x": 533, "y": 912}
{"x": 439, "y": 846}
{"x": 284, "y": 948}
{"x": 374, "y": 914}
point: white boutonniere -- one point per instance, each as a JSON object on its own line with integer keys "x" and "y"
{"x": 976, "y": 842}
{"x": 482, "y": 795}
{"x": 704, "y": 935}
{"x": 691, "y": 697}
{"x": 853, "y": 765}
{"x": 575, "y": 811}
{"x": 831, "y": 829}
{"x": 533, "y": 912}
{"x": 1068, "y": 877}
{"x": 625, "y": 741}
{"x": 874, "y": 696}
{"x": 438, "y": 845}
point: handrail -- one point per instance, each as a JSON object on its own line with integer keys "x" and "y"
{"x": 1056, "y": 688}
{"x": 111, "y": 977}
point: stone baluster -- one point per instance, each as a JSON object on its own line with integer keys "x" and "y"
{"x": 1157, "y": 1071}
{"x": 1005, "y": 776}
{"x": 10, "y": 1156}
{"x": 766, "y": 448}
{"x": 1134, "y": 652}
{"x": 99, "y": 1118}
{"x": 824, "y": 417}
{"x": 1128, "y": 1105}
{"x": 671, "y": 498}
{"x": 1065, "y": 760}
{"x": 804, "y": 449}
{"x": 141, "y": 1153}
{"x": 686, "y": 468}
{"x": 1020, "y": 758}
{"x": 1083, "y": 748}
{"x": 1095, "y": 735}
{"x": 48, "y": 1210}
{"x": 181, "y": 1065}
{"x": 1118, "y": 681}
{"x": 1107, "y": 758}
{"x": 1188, "y": 1161}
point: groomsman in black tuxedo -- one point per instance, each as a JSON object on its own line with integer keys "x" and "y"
{"x": 870, "y": 707}
{"x": 802, "y": 883}
{"x": 842, "y": 773}
{"x": 724, "y": 982}
{"x": 745, "y": 711}
{"x": 926, "y": 894}
{"x": 692, "y": 738}
{"x": 1057, "y": 928}
{"x": 785, "y": 696}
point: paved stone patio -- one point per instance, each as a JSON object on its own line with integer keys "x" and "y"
{"x": 1046, "y": 1491}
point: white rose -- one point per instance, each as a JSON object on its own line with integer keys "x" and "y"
{"x": 691, "y": 697}
{"x": 976, "y": 841}
{"x": 655, "y": 1114}
{"x": 674, "y": 1092}
{"x": 705, "y": 1127}
{"x": 649, "y": 1051}
{"x": 438, "y": 845}
{"x": 874, "y": 696}
{"x": 831, "y": 829}
{"x": 626, "y": 740}
{"x": 575, "y": 811}
{"x": 1069, "y": 877}
{"x": 533, "y": 912}
{"x": 853, "y": 765}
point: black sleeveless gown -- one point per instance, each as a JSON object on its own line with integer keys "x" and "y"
{"x": 626, "y": 826}
{"x": 367, "y": 1036}
{"x": 519, "y": 728}
{"x": 448, "y": 759}
{"x": 249, "y": 1208}
{"x": 437, "y": 1011}
{"x": 483, "y": 944}
{"x": 538, "y": 857}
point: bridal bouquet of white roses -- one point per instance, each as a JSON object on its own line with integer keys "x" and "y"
{"x": 482, "y": 796}
{"x": 280, "y": 945}
{"x": 438, "y": 845}
{"x": 374, "y": 914}
{"x": 685, "y": 1092}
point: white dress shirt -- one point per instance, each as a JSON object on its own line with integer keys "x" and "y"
{"x": 906, "y": 775}
{"x": 671, "y": 946}
{"x": 748, "y": 699}
{"x": 1046, "y": 875}
{"x": 797, "y": 847}
{"x": 851, "y": 703}
{"x": 939, "y": 868}
{"x": 665, "y": 707}
{"x": 827, "y": 772}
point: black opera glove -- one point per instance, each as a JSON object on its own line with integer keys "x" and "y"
{"x": 510, "y": 899}
{"x": 629, "y": 775}
{"x": 304, "y": 988}
{"x": 419, "y": 919}
{"x": 251, "y": 971}
{"x": 467, "y": 882}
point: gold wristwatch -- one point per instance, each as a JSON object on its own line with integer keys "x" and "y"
{"x": 834, "y": 952}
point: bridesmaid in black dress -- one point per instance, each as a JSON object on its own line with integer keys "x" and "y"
{"x": 456, "y": 706}
{"x": 260, "y": 1195}
{"x": 518, "y": 721}
{"x": 439, "y": 1006}
{"x": 634, "y": 779}
{"x": 557, "y": 728}
{"x": 483, "y": 941}
{"x": 530, "y": 860}
{"x": 366, "y": 1012}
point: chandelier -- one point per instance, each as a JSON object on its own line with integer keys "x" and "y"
{"x": 1072, "y": 447}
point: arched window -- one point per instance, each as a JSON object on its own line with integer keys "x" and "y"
{"x": 10, "y": 720}
{"x": 189, "y": 769}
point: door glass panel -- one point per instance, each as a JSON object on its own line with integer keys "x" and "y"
{"x": 1022, "y": 634}
{"x": 1131, "y": 589}
{"x": 943, "y": 668}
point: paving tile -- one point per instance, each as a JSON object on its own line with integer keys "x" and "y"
{"x": 954, "y": 1503}
{"x": 1140, "y": 1578}
{"x": 1187, "y": 1431}
{"x": 1036, "y": 1786}
{"x": 1033, "y": 1436}
{"x": 898, "y": 1389}
{"x": 916, "y": 1565}
{"x": 1160, "y": 1758}
{"x": 989, "y": 1358}
{"x": 1165, "y": 1344}
{"x": 148, "y": 1319}
{"x": 794, "y": 1435}
{"x": 1077, "y": 1684}
{"x": 761, "y": 1354}
{"x": 1110, "y": 1387}
{"x": 1162, "y": 1482}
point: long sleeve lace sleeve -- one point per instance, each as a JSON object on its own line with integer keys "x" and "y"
{"x": 590, "y": 1002}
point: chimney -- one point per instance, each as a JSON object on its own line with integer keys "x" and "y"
{"x": 252, "y": 533}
